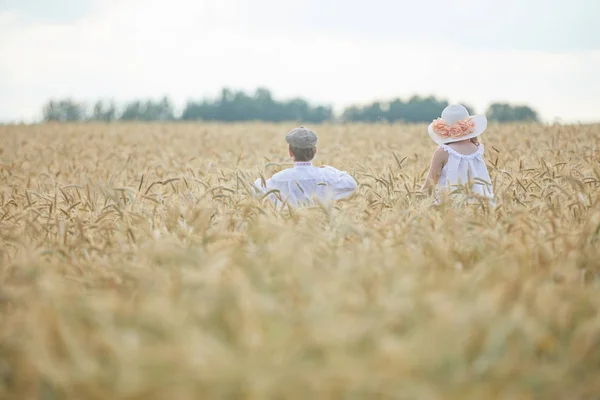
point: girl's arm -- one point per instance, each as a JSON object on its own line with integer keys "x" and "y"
{"x": 439, "y": 159}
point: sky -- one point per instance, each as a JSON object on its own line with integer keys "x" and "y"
{"x": 542, "y": 53}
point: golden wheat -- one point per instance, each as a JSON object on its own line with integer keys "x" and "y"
{"x": 135, "y": 264}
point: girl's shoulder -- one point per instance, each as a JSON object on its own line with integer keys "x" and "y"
{"x": 440, "y": 155}
{"x": 451, "y": 151}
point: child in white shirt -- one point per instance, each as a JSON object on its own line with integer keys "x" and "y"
{"x": 305, "y": 183}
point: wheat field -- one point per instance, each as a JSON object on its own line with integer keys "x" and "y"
{"x": 135, "y": 264}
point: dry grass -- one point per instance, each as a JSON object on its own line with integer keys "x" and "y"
{"x": 134, "y": 265}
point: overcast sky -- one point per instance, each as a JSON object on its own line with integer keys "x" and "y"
{"x": 544, "y": 53}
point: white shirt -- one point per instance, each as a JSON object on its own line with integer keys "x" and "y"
{"x": 299, "y": 185}
{"x": 460, "y": 168}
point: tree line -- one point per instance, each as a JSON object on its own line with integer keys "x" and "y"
{"x": 236, "y": 106}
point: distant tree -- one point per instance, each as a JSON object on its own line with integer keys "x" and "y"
{"x": 424, "y": 109}
{"x": 525, "y": 113}
{"x": 232, "y": 106}
{"x": 470, "y": 109}
{"x": 132, "y": 112}
{"x": 396, "y": 111}
{"x": 162, "y": 110}
{"x": 416, "y": 109}
{"x": 502, "y": 112}
{"x": 64, "y": 111}
{"x": 238, "y": 106}
{"x": 149, "y": 111}
{"x": 297, "y": 110}
{"x": 351, "y": 114}
{"x": 193, "y": 111}
{"x": 373, "y": 112}
{"x": 104, "y": 111}
{"x": 319, "y": 114}
{"x": 262, "y": 106}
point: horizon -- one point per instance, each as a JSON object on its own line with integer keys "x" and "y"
{"x": 90, "y": 49}
{"x": 337, "y": 112}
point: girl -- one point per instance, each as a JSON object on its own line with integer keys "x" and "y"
{"x": 458, "y": 163}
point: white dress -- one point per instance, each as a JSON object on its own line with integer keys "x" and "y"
{"x": 461, "y": 170}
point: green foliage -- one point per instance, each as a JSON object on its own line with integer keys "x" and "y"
{"x": 416, "y": 109}
{"x": 63, "y": 111}
{"x": 502, "y": 112}
{"x": 237, "y": 106}
{"x": 149, "y": 111}
{"x": 104, "y": 111}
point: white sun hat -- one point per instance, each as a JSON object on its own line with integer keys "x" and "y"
{"x": 456, "y": 124}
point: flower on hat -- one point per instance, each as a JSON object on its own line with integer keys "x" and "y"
{"x": 459, "y": 129}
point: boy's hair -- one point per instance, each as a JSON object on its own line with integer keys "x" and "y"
{"x": 303, "y": 154}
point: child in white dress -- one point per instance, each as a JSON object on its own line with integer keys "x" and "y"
{"x": 457, "y": 165}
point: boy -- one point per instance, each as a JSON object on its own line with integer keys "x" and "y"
{"x": 303, "y": 183}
